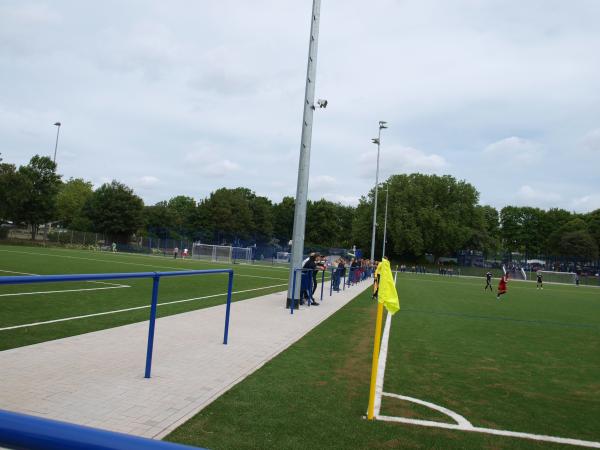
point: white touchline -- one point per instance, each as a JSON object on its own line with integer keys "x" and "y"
{"x": 135, "y": 308}
{"x": 462, "y": 423}
{"x": 113, "y": 286}
{"x": 16, "y": 294}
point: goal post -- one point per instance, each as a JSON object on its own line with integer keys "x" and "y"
{"x": 221, "y": 253}
{"x": 558, "y": 277}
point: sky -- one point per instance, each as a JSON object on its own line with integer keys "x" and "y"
{"x": 185, "y": 97}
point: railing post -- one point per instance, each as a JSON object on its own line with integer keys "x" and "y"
{"x": 153, "y": 306}
{"x": 228, "y": 307}
{"x": 322, "y": 281}
{"x": 292, "y": 303}
{"x": 331, "y": 283}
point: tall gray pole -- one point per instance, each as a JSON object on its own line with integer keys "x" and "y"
{"x": 57, "y": 124}
{"x": 377, "y": 141}
{"x": 387, "y": 194}
{"x": 304, "y": 163}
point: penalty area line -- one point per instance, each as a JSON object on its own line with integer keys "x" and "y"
{"x": 517, "y": 434}
{"x": 34, "y": 324}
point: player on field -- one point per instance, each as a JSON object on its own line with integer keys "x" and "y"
{"x": 540, "y": 283}
{"x": 502, "y": 286}
{"x": 488, "y": 282}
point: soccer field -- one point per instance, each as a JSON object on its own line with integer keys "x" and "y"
{"x": 528, "y": 363}
{"x": 43, "y": 311}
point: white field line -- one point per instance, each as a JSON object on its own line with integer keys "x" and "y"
{"x": 122, "y": 262}
{"x": 112, "y": 286}
{"x": 135, "y": 308}
{"x": 462, "y": 423}
{"x": 517, "y": 434}
{"x": 446, "y": 277}
{"x": 16, "y": 294}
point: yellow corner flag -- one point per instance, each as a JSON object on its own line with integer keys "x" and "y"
{"x": 386, "y": 288}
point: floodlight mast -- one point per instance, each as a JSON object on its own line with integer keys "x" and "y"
{"x": 57, "y": 125}
{"x": 382, "y": 125}
{"x": 304, "y": 161}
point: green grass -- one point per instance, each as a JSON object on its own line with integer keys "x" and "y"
{"x": 26, "y": 309}
{"x": 529, "y": 363}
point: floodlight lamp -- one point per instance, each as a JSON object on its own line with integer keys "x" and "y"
{"x": 375, "y": 140}
{"x": 57, "y": 124}
{"x": 322, "y": 103}
{"x": 382, "y": 124}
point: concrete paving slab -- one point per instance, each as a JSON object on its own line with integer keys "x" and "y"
{"x": 97, "y": 379}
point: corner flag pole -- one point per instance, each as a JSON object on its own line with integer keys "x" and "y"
{"x": 376, "y": 345}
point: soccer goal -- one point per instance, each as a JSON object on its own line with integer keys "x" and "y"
{"x": 558, "y": 277}
{"x": 221, "y": 253}
{"x": 283, "y": 257}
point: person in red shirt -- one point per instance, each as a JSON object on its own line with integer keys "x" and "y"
{"x": 502, "y": 286}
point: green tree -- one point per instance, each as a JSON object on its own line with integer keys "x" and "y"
{"x": 578, "y": 244}
{"x": 158, "y": 220}
{"x": 70, "y": 201}
{"x": 37, "y": 203}
{"x": 230, "y": 214}
{"x": 283, "y": 220}
{"x": 182, "y": 210}
{"x": 262, "y": 218}
{"x": 13, "y": 188}
{"x": 114, "y": 209}
{"x": 593, "y": 222}
{"x": 427, "y": 214}
{"x": 485, "y": 230}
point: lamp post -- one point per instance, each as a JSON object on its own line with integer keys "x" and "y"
{"x": 377, "y": 141}
{"x": 57, "y": 125}
{"x": 304, "y": 160}
{"x": 387, "y": 193}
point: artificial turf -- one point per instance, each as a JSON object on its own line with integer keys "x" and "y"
{"x": 529, "y": 362}
{"x": 249, "y": 281}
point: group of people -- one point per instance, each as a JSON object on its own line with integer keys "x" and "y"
{"x": 502, "y": 284}
{"x": 359, "y": 269}
{"x": 184, "y": 254}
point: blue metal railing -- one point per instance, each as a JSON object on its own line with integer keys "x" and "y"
{"x": 156, "y": 276}
{"x": 306, "y": 283}
{"x": 21, "y": 431}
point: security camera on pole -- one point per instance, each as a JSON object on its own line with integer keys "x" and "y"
{"x": 382, "y": 125}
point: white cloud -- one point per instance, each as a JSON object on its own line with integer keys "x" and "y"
{"x": 537, "y": 197}
{"x": 591, "y": 141}
{"x": 587, "y": 203}
{"x": 220, "y": 168}
{"x": 398, "y": 159}
{"x": 514, "y": 150}
{"x": 205, "y": 160}
{"x": 322, "y": 182}
{"x": 147, "y": 181}
{"x": 348, "y": 200}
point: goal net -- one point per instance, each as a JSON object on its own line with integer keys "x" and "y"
{"x": 557, "y": 277}
{"x": 221, "y": 253}
{"x": 283, "y": 257}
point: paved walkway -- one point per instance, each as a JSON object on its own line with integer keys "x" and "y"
{"x": 96, "y": 379}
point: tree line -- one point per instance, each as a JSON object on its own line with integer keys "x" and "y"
{"x": 427, "y": 214}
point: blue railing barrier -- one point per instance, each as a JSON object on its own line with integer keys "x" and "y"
{"x": 21, "y": 431}
{"x": 156, "y": 276}
{"x": 306, "y": 279}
